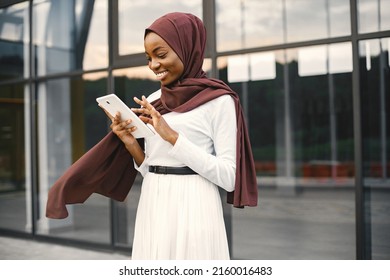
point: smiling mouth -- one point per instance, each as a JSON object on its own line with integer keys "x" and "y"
{"x": 160, "y": 75}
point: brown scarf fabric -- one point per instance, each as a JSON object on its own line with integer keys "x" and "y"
{"x": 108, "y": 167}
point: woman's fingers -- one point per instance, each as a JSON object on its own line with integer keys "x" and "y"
{"x": 146, "y": 107}
{"x": 140, "y": 111}
{"x": 118, "y": 125}
{"x": 144, "y": 103}
{"x": 149, "y": 106}
{"x": 146, "y": 120}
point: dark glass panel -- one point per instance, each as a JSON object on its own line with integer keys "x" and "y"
{"x": 375, "y": 92}
{"x": 13, "y": 195}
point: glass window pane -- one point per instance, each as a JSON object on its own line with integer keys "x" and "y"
{"x": 323, "y": 59}
{"x": 14, "y": 26}
{"x": 136, "y": 15}
{"x": 65, "y": 133}
{"x": 340, "y": 58}
{"x": 14, "y": 193}
{"x": 385, "y": 15}
{"x": 255, "y": 66}
{"x": 252, "y": 23}
{"x": 368, "y": 16}
{"x": 339, "y": 18}
{"x": 238, "y": 68}
{"x": 301, "y": 130}
{"x": 69, "y": 35}
{"x": 308, "y": 20}
{"x": 96, "y": 48}
{"x": 373, "y": 15}
{"x": 375, "y": 92}
{"x": 248, "y": 23}
{"x": 312, "y": 61}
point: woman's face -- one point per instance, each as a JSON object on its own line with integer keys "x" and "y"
{"x": 163, "y": 61}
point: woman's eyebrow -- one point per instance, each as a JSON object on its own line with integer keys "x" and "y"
{"x": 156, "y": 49}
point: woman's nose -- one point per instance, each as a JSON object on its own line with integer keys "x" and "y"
{"x": 154, "y": 64}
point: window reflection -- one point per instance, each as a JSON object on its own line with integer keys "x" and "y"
{"x": 320, "y": 60}
{"x": 253, "y": 67}
{"x": 305, "y": 20}
{"x": 301, "y": 130}
{"x": 238, "y": 68}
{"x": 304, "y": 128}
{"x": 248, "y": 23}
{"x": 340, "y": 58}
{"x": 70, "y": 35}
{"x": 338, "y": 18}
{"x": 263, "y": 66}
{"x": 96, "y": 48}
{"x": 251, "y": 23}
{"x": 14, "y": 27}
{"x": 308, "y": 20}
{"x": 136, "y": 15}
{"x": 374, "y": 15}
{"x": 312, "y": 61}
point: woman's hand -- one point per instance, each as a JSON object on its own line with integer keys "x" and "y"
{"x": 153, "y": 117}
{"x": 120, "y": 128}
{"x": 124, "y": 134}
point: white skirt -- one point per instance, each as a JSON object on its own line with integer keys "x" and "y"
{"x": 179, "y": 217}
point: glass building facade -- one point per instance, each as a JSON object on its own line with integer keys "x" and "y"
{"x": 314, "y": 81}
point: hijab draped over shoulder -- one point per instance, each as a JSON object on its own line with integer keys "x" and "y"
{"x": 186, "y": 35}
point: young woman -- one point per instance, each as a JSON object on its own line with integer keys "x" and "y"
{"x": 201, "y": 143}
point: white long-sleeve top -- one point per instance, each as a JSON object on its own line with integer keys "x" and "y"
{"x": 206, "y": 143}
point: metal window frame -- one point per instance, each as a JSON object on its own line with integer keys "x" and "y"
{"x": 357, "y": 127}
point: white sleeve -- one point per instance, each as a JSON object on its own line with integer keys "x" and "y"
{"x": 143, "y": 168}
{"x": 220, "y": 168}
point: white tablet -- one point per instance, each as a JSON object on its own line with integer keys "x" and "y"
{"x": 113, "y": 104}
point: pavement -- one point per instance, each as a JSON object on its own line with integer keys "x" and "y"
{"x": 28, "y": 249}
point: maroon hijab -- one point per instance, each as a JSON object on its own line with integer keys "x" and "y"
{"x": 186, "y": 35}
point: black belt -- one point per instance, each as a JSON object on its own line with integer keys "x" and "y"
{"x": 171, "y": 170}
